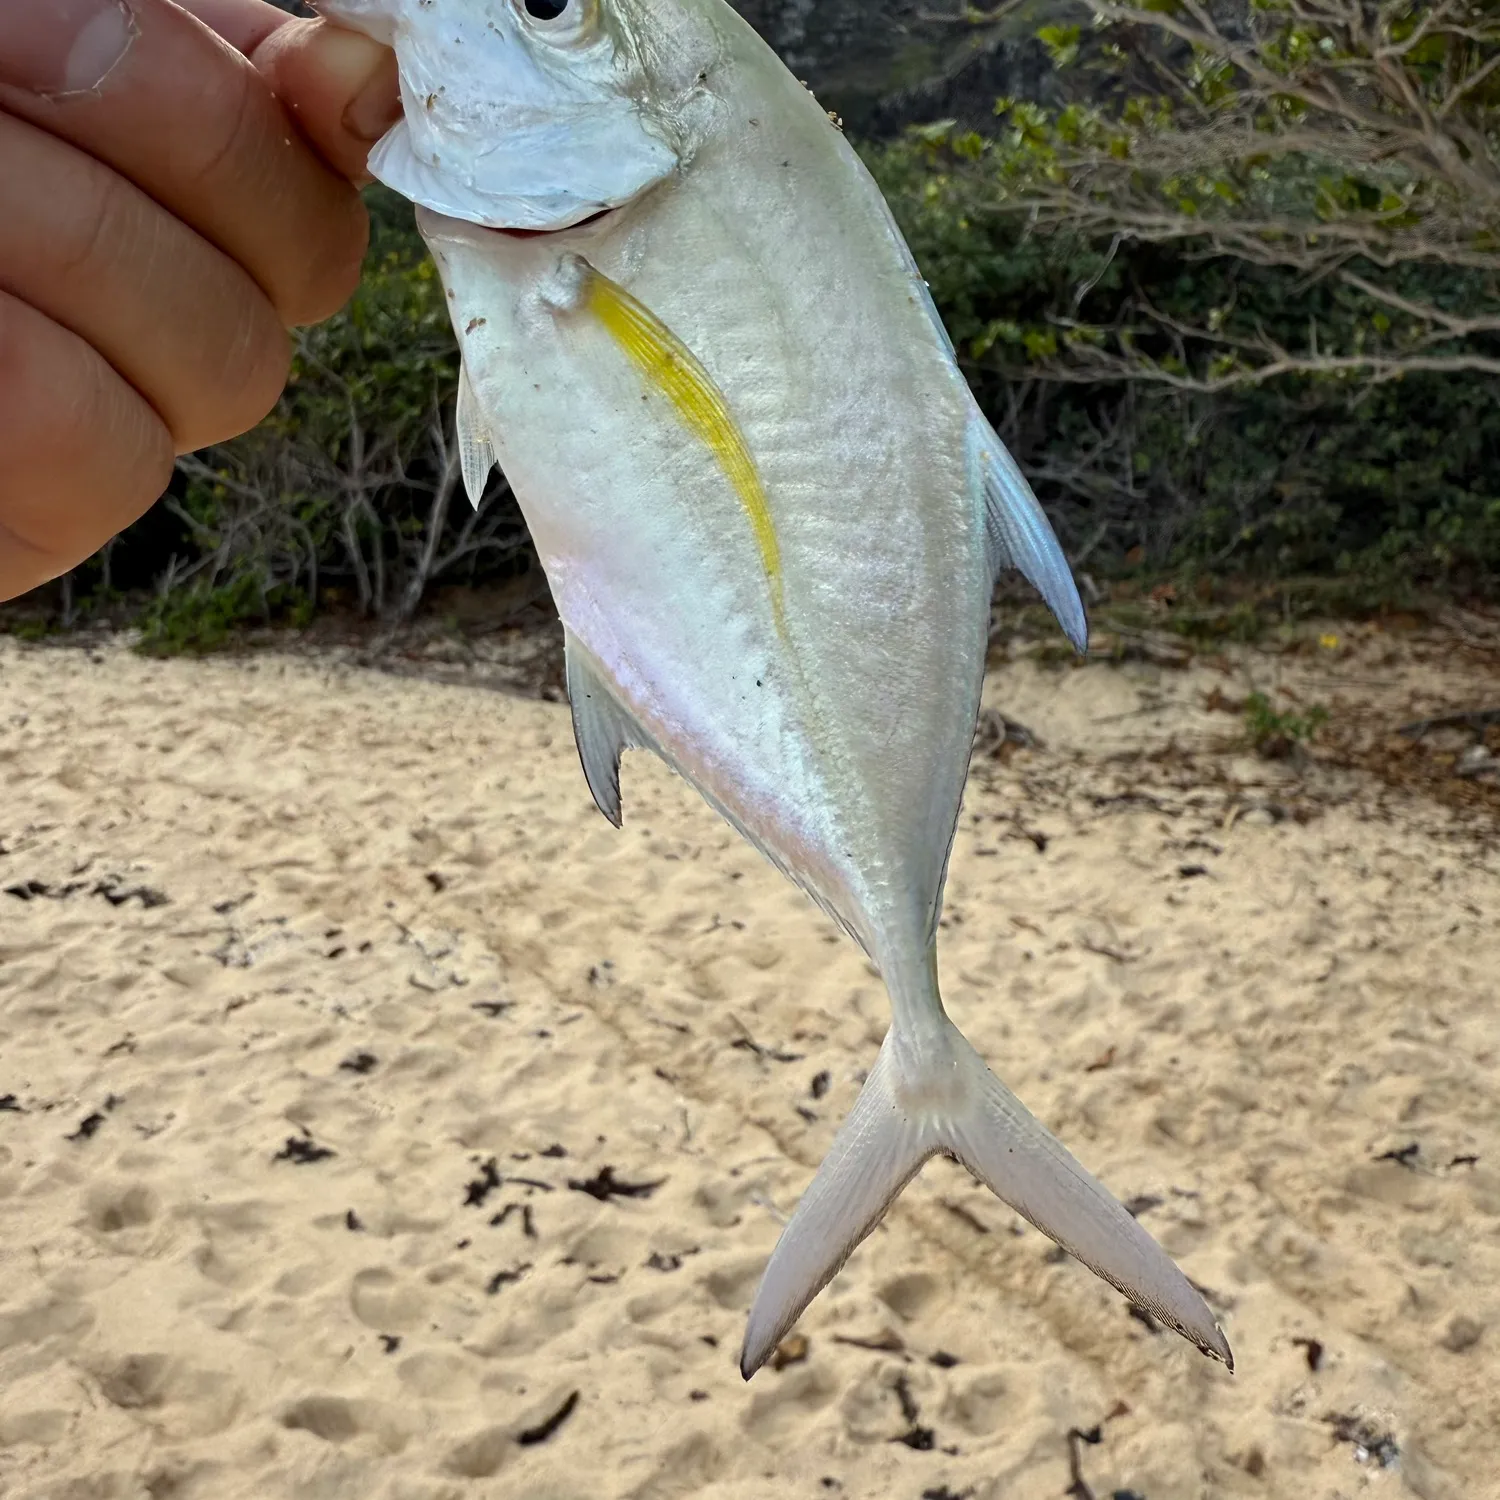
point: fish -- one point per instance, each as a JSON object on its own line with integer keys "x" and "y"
{"x": 770, "y": 511}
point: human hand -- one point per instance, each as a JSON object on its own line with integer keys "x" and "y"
{"x": 161, "y": 226}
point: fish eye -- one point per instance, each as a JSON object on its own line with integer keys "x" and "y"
{"x": 566, "y": 22}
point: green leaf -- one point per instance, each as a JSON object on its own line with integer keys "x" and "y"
{"x": 1061, "y": 43}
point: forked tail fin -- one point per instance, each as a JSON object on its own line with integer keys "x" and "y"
{"x": 940, "y": 1096}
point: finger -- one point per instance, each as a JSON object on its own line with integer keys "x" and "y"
{"x": 176, "y": 317}
{"x": 81, "y": 454}
{"x": 194, "y": 125}
{"x": 244, "y": 24}
{"x": 339, "y": 86}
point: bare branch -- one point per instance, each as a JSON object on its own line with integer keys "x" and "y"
{"x": 1453, "y": 326}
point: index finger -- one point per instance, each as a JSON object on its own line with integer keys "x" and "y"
{"x": 187, "y": 118}
{"x": 339, "y": 87}
{"x": 244, "y": 24}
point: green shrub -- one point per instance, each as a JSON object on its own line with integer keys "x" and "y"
{"x": 1397, "y": 481}
{"x": 1274, "y": 733}
{"x": 204, "y": 618}
{"x": 1236, "y": 302}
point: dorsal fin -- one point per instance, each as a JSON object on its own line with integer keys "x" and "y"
{"x": 1018, "y": 532}
{"x": 603, "y": 729}
{"x": 476, "y": 454}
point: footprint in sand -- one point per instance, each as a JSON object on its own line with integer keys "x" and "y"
{"x": 688, "y": 1467}
{"x": 111, "y": 1207}
{"x": 42, "y": 1427}
{"x": 388, "y": 1305}
{"x": 337, "y": 1420}
{"x": 138, "y": 1382}
{"x": 483, "y": 1455}
{"x": 778, "y": 1413}
{"x": 548, "y": 1313}
{"x": 732, "y": 1284}
{"x": 438, "y": 1376}
{"x": 55, "y": 1318}
{"x": 180, "y": 1401}
{"x": 911, "y": 1296}
{"x": 980, "y": 1404}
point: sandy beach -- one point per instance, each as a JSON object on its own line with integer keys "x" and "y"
{"x": 377, "y": 1123}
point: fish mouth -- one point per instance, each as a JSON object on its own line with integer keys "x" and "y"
{"x": 537, "y": 234}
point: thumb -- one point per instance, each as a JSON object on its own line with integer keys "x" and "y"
{"x": 339, "y": 86}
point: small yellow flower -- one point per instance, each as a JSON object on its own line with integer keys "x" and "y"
{"x": 1329, "y": 642}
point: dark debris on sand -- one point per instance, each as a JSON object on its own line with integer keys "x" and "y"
{"x": 528, "y": 1221}
{"x": 545, "y": 1428}
{"x": 1080, "y": 1437}
{"x": 1372, "y": 1443}
{"x": 656, "y": 1261}
{"x": 604, "y": 1185}
{"x": 493, "y": 1008}
{"x": 112, "y": 888}
{"x": 303, "y": 1151}
{"x": 506, "y": 1278}
{"x": 1312, "y": 1350}
{"x": 792, "y": 1350}
{"x": 766, "y": 1054}
{"x": 479, "y": 1188}
{"x": 89, "y": 1126}
{"x": 917, "y": 1437}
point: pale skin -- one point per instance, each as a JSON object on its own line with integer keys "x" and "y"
{"x": 180, "y": 189}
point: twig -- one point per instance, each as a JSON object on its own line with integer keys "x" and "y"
{"x": 1478, "y": 720}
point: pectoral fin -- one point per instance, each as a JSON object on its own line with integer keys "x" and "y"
{"x": 476, "y": 453}
{"x": 604, "y": 730}
{"x": 672, "y": 369}
{"x": 1019, "y": 533}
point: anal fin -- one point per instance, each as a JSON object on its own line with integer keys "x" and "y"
{"x": 603, "y": 729}
{"x": 1019, "y": 534}
{"x": 476, "y": 453}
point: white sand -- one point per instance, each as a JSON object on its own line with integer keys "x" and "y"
{"x": 355, "y": 864}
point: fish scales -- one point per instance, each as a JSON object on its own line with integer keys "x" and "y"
{"x": 769, "y": 509}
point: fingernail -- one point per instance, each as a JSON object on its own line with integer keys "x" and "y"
{"x": 367, "y": 71}
{"x": 63, "y": 47}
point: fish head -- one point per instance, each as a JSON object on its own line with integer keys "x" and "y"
{"x": 537, "y": 114}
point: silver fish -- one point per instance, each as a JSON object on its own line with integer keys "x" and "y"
{"x": 770, "y": 512}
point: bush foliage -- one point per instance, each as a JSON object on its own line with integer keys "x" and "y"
{"x": 348, "y": 494}
{"x": 1146, "y": 457}
{"x": 1236, "y": 308}
{"x": 1237, "y": 304}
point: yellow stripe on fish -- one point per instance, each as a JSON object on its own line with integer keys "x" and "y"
{"x": 672, "y": 368}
